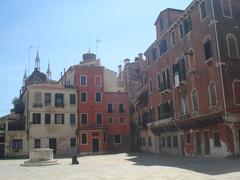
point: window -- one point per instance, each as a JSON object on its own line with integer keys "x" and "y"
{"x": 154, "y": 54}
{"x": 117, "y": 139}
{"x": 17, "y": 144}
{"x": 227, "y": 8}
{"x": 175, "y": 141}
{"x": 72, "y": 119}
{"x": 150, "y": 86}
{"x": 121, "y": 108}
{"x": 188, "y": 138}
{"x": 191, "y": 59}
{"x": 37, "y": 143}
{"x": 179, "y": 71}
{"x": 83, "y": 97}
{"x": 173, "y": 38}
{"x": 110, "y": 108}
{"x": 59, "y": 118}
{"x": 158, "y": 81}
{"x": 110, "y": 120}
{"x": 59, "y": 102}
{"x": 36, "y": 118}
{"x": 232, "y": 46}
{"x": 163, "y": 46}
{"x": 83, "y": 80}
{"x": 216, "y": 139}
{"x": 212, "y": 94}
{"x": 143, "y": 141}
{"x": 73, "y": 142}
{"x": 98, "y": 81}
{"x": 195, "y": 103}
{"x": 236, "y": 90}
{"x": 161, "y": 25}
{"x": 72, "y": 98}
{"x": 149, "y": 141}
{"x": 98, "y": 97}
{"x": 84, "y": 138}
{"x": 37, "y": 99}
{"x": 99, "y": 118}
{"x": 169, "y": 141}
{"x": 163, "y": 142}
{"x": 104, "y": 137}
{"x": 203, "y": 10}
{"x": 47, "y": 118}
{"x": 207, "y": 48}
{"x": 185, "y": 27}
{"x": 121, "y": 120}
{"x": 84, "y": 119}
{"x": 47, "y": 99}
{"x": 183, "y": 105}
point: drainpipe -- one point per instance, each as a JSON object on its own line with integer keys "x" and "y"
{"x": 219, "y": 60}
{"x": 221, "y": 77}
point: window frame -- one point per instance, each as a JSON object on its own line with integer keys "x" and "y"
{"x": 81, "y": 141}
{"x": 96, "y": 118}
{"x": 17, "y": 144}
{"x": 197, "y": 99}
{"x": 236, "y": 45}
{"x": 223, "y": 12}
{"x": 47, "y": 121}
{"x": 81, "y": 119}
{"x": 120, "y": 139}
{"x": 200, "y": 10}
{"x": 83, "y": 92}
{"x": 86, "y": 82}
{"x": 97, "y": 101}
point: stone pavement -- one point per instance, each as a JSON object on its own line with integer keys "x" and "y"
{"x": 139, "y": 166}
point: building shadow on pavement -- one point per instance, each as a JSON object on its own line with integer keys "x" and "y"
{"x": 210, "y": 166}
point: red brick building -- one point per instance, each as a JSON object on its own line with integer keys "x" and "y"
{"x": 190, "y": 105}
{"x": 103, "y": 110}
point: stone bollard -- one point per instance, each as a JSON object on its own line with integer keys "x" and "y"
{"x": 74, "y": 159}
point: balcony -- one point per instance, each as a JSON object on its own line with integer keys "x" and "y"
{"x": 59, "y": 104}
{"x": 37, "y": 105}
{"x": 143, "y": 99}
{"x": 164, "y": 88}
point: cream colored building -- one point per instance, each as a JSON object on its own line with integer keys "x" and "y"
{"x": 51, "y": 114}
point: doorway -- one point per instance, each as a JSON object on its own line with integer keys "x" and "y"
{"x": 206, "y": 143}
{"x": 239, "y": 139}
{"x": 182, "y": 145}
{"x": 53, "y": 145}
{"x": 2, "y": 150}
{"x": 198, "y": 143}
{"x": 95, "y": 145}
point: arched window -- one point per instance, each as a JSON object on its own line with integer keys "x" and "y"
{"x": 232, "y": 46}
{"x": 212, "y": 94}
{"x": 227, "y": 8}
{"x": 236, "y": 91}
{"x": 164, "y": 79}
{"x": 191, "y": 59}
{"x": 168, "y": 78}
{"x": 150, "y": 86}
{"x": 207, "y": 47}
{"x": 195, "y": 103}
{"x": 183, "y": 105}
{"x": 158, "y": 81}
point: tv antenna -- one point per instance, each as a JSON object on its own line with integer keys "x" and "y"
{"x": 97, "y": 42}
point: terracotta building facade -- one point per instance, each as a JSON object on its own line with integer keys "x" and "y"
{"x": 190, "y": 104}
{"x": 103, "y": 110}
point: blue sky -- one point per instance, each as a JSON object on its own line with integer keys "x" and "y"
{"x": 65, "y": 29}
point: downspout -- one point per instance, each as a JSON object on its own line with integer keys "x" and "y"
{"x": 221, "y": 76}
{"x": 219, "y": 60}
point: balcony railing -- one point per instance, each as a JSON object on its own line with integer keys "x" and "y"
{"x": 165, "y": 115}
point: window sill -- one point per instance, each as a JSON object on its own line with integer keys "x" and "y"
{"x": 208, "y": 61}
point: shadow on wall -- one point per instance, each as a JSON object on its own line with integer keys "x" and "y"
{"x": 210, "y": 166}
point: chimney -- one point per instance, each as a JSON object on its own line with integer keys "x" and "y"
{"x": 64, "y": 70}
{"x": 61, "y": 78}
{"x": 119, "y": 69}
{"x": 126, "y": 61}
